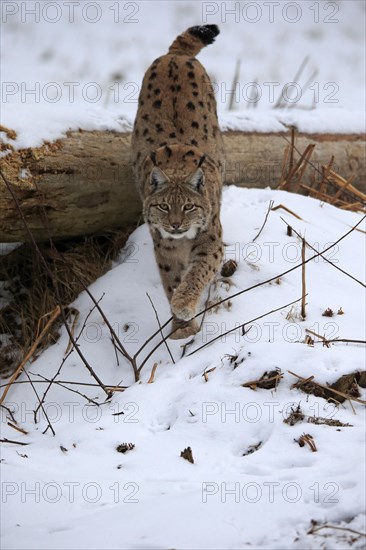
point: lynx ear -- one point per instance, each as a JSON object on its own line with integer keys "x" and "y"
{"x": 197, "y": 180}
{"x": 157, "y": 179}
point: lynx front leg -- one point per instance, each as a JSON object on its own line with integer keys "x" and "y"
{"x": 207, "y": 261}
{"x": 171, "y": 279}
{"x": 171, "y": 273}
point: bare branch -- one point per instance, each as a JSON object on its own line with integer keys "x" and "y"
{"x": 327, "y": 526}
{"x": 326, "y": 259}
{"x": 158, "y": 320}
{"x": 235, "y": 81}
{"x": 271, "y": 202}
{"x": 242, "y": 326}
{"x": 68, "y": 353}
{"x": 49, "y": 425}
{"x": 303, "y": 280}
{"x": 58, "y": 383}
{"x": 279, "y": 103}
{"x": 5, "y": 440}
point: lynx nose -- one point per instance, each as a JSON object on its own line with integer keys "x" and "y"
{"x": 175, "y": 225}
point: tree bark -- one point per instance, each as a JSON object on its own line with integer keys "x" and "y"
{"x": 83, "y": 184}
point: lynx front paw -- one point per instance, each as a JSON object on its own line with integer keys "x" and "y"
{"x": 183, "y": 329}
{"x": 182, "y": 309}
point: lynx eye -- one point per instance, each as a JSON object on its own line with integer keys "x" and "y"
{"x": 163, "y": 207}
{"x": 188, "y": 207}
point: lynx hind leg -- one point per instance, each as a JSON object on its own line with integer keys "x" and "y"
{"x": 183, "y": 329}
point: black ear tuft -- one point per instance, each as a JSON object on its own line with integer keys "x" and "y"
{"x": 153, "y": 157}
{"x": 206, "y": 33}
{"x": 201, "y": 161}
{"x": 197, "y": 180}
{"x": 157, "y": 178}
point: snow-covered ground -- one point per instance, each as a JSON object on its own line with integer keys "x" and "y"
{"x": 74, "y": 490}
{"x": 80, "y": 64}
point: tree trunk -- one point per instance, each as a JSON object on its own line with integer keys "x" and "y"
{"x": 83, "y": 184}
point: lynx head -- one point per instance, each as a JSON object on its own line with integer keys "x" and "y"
{"x": 176, "y": 201}
{"x": 177, "y": 205}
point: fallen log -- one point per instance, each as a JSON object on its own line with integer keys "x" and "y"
{"x": 83, "y": 184}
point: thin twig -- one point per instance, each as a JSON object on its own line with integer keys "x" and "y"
{"x": 305, "y": 86}
{"x": 291, "y": 161}
{"x": 152, "y": 337}
{"x": 280, "y": 100}
{"x": 152, "y": 375}
{"x": 70, "y": 382}
{"x": 158, "y": 320}
{"x": 206, "y": 304}
{"x": 8, "y": 410}
{"x": 115, "y": 350}
{"x": 261, "y": 380}
{"x": 5, "y": 440}
{"x": 206, "y": 372}
{"x": 298, "y": 168}
{"x": 347, "y": 340}
{"x": 49, "y": 425}
{"x": 302, "y": 169}
{"x": 325, "y": 172}
{"x": 287, "y": 210}
{"x": 284, "y": 162}
{"x": 322, "y": 338}
{"x": 242, "y": 326}
{"x": 335, "y": 340}
{"x": 68, "y": 354}
{"x": 74, "y": 323}
{"x": 271, "y": 202}
{"x": 352, "y": 407}
{"x": 316, "y": 194}
{"x": 326, "y": 526}
{"x": 58, "y": 383}
{"x": 252, "y": 101}
{"x": 303, "y": 280}
{"x": 321, "y": 254}
{"x": 233, "y": 87}
{"x": 120, "y": 346}
{"x": 17, "y": 428}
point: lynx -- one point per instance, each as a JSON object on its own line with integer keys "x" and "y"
{"x": 178, "y": 161}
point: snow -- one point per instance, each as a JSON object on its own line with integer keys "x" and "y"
{"x": 70, "y": 65}
{"x": 74, "y": 490}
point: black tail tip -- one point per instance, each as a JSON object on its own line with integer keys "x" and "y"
{"x": 206, "y": 33}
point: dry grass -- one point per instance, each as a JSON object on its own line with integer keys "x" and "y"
{"x": 329, "y": 187}
{"x": 30, "y": 295}
{"x": 345, "y": 388}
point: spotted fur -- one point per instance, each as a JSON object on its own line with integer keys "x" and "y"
{"x": 178, "y": 159}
